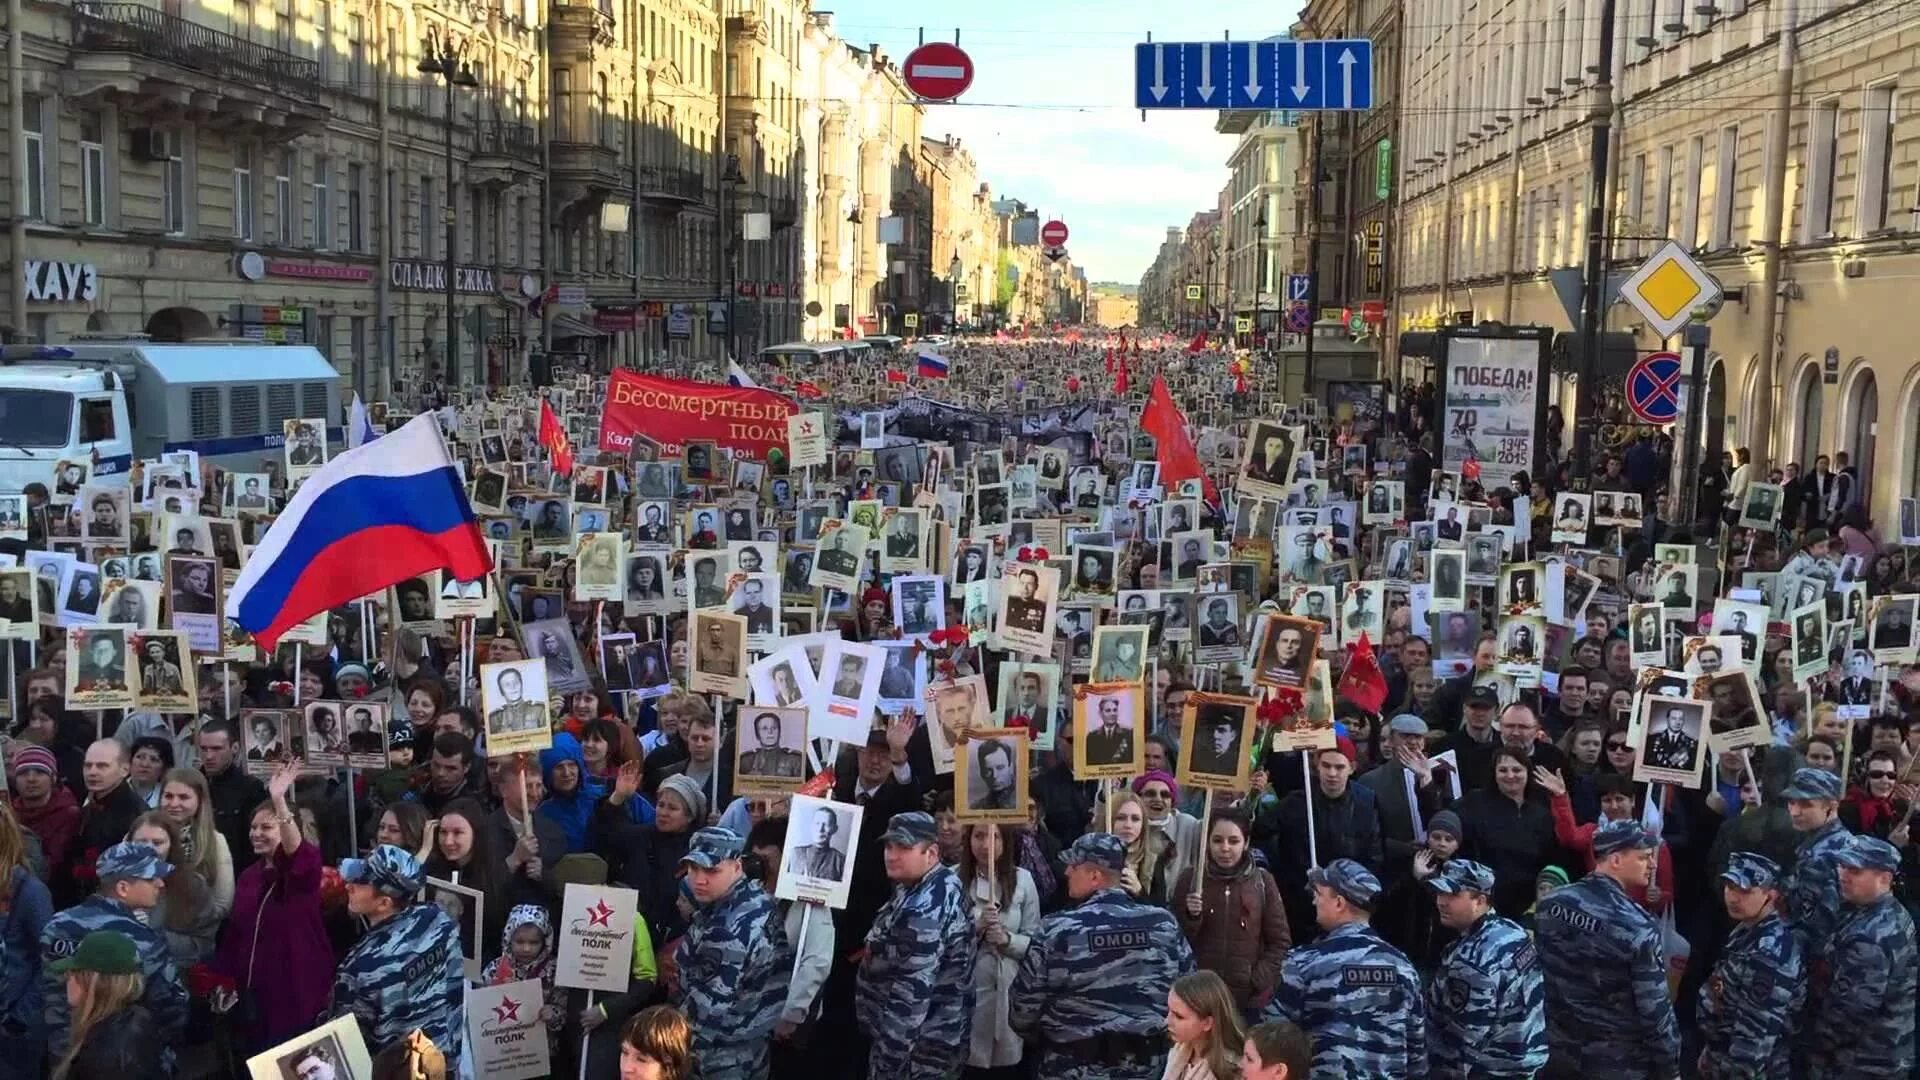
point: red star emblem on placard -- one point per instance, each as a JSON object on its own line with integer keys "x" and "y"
{"x": 508, "y": 1011}
{"x": 598, "y": 914}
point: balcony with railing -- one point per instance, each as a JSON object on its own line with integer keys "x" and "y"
{"x": 140, "y": 49}
{"x": 505, "y": 153}
{"x": 671, "y": 187}
{"x": 580, "y": 31}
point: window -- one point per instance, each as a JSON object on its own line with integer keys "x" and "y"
{"x": 286, "y": 213}
{"x": 1876, "y": 148}
{"x": 93, "y": 167}
{"x": 1636, "y": 198}
{"x": 96, "y": 419}
{"x": 173, "y": 185}
{"x": 1823, "y": 155}
{"x": 243, "y": 191}
{"x": 603, "y": 109}
{"x": 323, "y": 237}
{"x": 36, "y": 109}
{"x": 1663, "y": 208}
{"x": 356, "y": 53}
{"x": 522, "y": 221}
{"x": 426, "y": 217}
{"x": 562, "y": 105}
{"x": 356, "y": 207}
{"x": 1690, "y": 197}
{"x": 323, "y": 40}
{"x": 1726, "y": 174}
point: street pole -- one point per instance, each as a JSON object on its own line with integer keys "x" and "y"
{"x": 453, "y": 349}
{"x": 1766, "y": 363}
{"x": 1592, "y": 312}
{"x": 1687, "y": 491}
{"x": 1313, "y": 249}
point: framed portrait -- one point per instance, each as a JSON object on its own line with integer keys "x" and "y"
{"x": 166, "y": 682}
{"x": 19, "y": 605}
{"x": 1028, "y": 595}
{"x": 1363, "y": 611}
{"x": 597, "y": 559}
{"x": 700, "y": 461}
{"x": 850, "y": 689}
{"x": 304, "y": 446}
{"x": 1217, "y": 635}
{"x": 513, "y": 704}
{"x": 366, "y": 727}
{"x": 80, "y": 597}
{"x": 468, "y": 909}
{"x": 1807, "y": 634}
{"x": 1646, "y": 635}
{"x": 1521, "y": 650}
{"x": 1029, "y": 697}
{"x": 990, "y": 774}
{"x": 98, "y": 673}
{"x": 783, "y": 679}
{"x": 1521, "y": 589}
{"x": 1285, "y": 649}
{"x": 719, "y": 654}
{"x": 1738, "y": 717}
{"x": 324, "y": 734}
{"x": 836, "y": 562}
{"x": 1672, "y": 746}
{"x": 106, "y": 510}
{"x": 1447, "y": 576}
{"x": 956, "y": 706}
{"x": 1217, "y": 731}
{"x": 1572, "y": 517}
{"x": 619, "y": 662}
{"x": 1267, "y": 463}
{"x": 552, "y": 641}
{"x": 1761, "y": 508}
{"x": 1109, "y": 730}
{"x": 129, "y": 602}
{"x": 822, "y": 841}
{"x": 919, "y": 605}
{"x": 1119, "y": 654}
{"x": 646, "y": 580}
{"x": 755, "y": 598}
{"x": 1676, "y": 588}
{"x": 770, "y": 749}
{"x": 490, "y": 491}
{"x": 333, "y": 1051}
{"x": 1890, "y": 634}
{"x": 903, "y": 541}
{"x": 903, "y": 681}
{"x": 271, "y": 738}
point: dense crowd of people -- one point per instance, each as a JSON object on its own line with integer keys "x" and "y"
{"x": 1440, "y": 848}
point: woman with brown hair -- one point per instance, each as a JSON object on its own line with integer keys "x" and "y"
{"x": 185, "y": 914}
{"x": 113, "y": 1036}
{"x": 1204, "y": 1024}
{"x": 25, "y": 907}
{"x": 1006, "y": 912}
{"x": 186, "y": 799}
{"x": 1233, "y": 914}
{"x": 657, "y": 1044}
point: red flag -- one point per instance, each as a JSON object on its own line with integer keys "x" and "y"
{"x": 1470, "y": 469}
{"x": 1239, "y": 382}
{"x": 1178, "y": 460}
{"x": 553, "y": 436}
{"x": 1363, "y": 683}
{"x": 1198, "y": 343}
{"x": 807, "y": 390}
{"x": 896, "y": 376}
{"x": 1120, "y": 380}
{"x": 1109, "y": 361}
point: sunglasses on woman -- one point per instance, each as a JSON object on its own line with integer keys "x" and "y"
{"x": 1879, "y": 774}
{"x": 1612, "y": 747}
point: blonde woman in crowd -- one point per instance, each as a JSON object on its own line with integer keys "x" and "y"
{"x": 1204, "y": 1024}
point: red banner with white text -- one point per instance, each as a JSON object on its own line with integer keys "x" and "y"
{"x": 671, "y": 411}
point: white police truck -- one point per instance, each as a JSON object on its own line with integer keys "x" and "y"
{"x": 113, "y": 402}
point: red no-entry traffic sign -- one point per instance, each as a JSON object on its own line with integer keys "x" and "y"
{"x": 938, "y": 71}
{"x": 1054, "y": 234}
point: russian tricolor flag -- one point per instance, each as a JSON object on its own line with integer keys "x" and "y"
{"x": 369, "y": 519}
{"x": 932, "y": 365}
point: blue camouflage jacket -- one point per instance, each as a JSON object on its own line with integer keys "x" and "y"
{"x": 1813, "y": 900}
{"x": 1359, "y": 999}
{"x": 1486, "y": 1006}
{"x": 165, "y": 995}
{"x": 1103, "y": 967}
{"x": 1863, "y": 1025}
{"x": 914, "y": 995}
{"x": 732, "y": 982}
{"x": 1608, "y": 1012}
{"x": 406, "y": 973}
{"x": 1747, "y": 1006}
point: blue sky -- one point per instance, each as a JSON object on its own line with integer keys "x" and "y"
{"x": 1049, "y": 116}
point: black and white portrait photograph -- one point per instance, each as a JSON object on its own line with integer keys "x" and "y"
{"x": 335, "y": 1050}
{"x": 305, "y": 446}
{"x": 1287, "y": 648}
{"x": 1891, "y": 634}
{"x": 619, "y": 662}
{"x": 822, "y": 839}
{"x": 770, "y": 750}
{"x": 990, "y": 776}
{"x": 1671, "y": 730}
{"x": 1646, "y": 635}
{"x": 756, "y": 599}
{"x": 1217, "y": 636}
{"x": 1738, "y": 719}
{"x": 1109, "y": 734}
{"x": 552, "y": 642}
{"x": 850, "y": 690}
{"x": 873, "y": 430}
{"x": 271, "y": 737}
{"x": 1447, "y": 573}
{"x": 1808, "y": 634}
{"x": 903, "y": 541}
{"x": 106, "y": 511}
{"x": 919, "y": 604}
{"x": 903, "y": 679}
{"x": 1027, "y": 615}
{"x": 1093, "y": 570}
{"x": 836, "y": 561}
{"x": 1520, "y": 589}
{"x": 1119, "y": 654}
{"x": 1266, "y": 469}
{"x": 98, "y": 675}
{"x": 130, "y": 603}
{"x": 1029, "y": 698}
{"x": 719, "y": 641}
{"x": 1761, "y": 508}
{"x": 513, "y": 703}
{"x": 1216, "y": 733}
{"x": 782, "y": 679}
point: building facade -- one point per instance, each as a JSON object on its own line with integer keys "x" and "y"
{"x": 1260, "y": 220}
{"x": 1494, "y": 198}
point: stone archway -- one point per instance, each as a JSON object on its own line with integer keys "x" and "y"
{"x": 179, "y": 324}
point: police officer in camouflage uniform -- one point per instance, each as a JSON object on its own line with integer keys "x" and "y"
{"x": 732, "y": 981}
{"x": 131, "y": 878}
{"x": 1486, "y": 1006}
{"x": 1091, "y": 993}
{"x": 1748, "y": 1005}
{"x": 1357, "y": 996}
{"x": 1863, "y": 1025}
{"x": 1608, "y": 1013}
{"x": 407, "y": 972}
{"x": 914, "y": 993}
{"x": 1813, "y": 889}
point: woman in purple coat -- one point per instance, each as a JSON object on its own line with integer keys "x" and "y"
{"x": 275, "y": 948}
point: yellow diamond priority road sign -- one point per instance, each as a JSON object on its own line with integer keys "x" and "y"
{"x": 1668, "y": 288}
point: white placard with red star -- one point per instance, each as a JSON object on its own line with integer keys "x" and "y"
{"x": 596, "y": 938}
{"x": 505, "y": 1032}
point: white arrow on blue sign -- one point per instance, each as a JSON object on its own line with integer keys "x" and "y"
{"x": 1299, "y": 286}
{"x": 1287, "y": 74}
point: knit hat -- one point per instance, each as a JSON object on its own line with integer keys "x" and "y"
{"x": 874, "y": 595}
{"x": 352, "y": 670}
{"x": 1551, "y": 876}
{"x": 1448, "y": 822}
{"x": 1151, "y": 775}
{"x": 34, "y": 757}
{"x": 689, "y": 791}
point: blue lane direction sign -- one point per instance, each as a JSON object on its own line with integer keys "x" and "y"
{"x": 1303, "y": 75}
{"x": 1653, "y": 388}
{"x": 1299, "y": 287}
